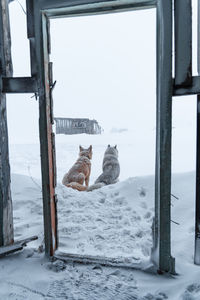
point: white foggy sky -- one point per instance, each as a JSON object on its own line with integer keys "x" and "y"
{"x": 105, "y": 67}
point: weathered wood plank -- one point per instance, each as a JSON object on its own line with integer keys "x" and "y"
{"x": 161, "y": 251}
{"x": 194, "y": 89}
{"x": 83, "y": 7}
{"x": 183, "y": 42}
{"x": 100, "y": 260}
{"x": 6, "y": 217}
{"x": 55, "y": 7}
{"x": 31, "y": 36}
{"x": 198, "y": 37}
{"x": 30, "y": 18}
{"x": 5, "y": 250}
{"x": 197, "y": 200}
{"x": 6, "y": 68}
{"x": 19, "y": 85}
{"x": 47, "y": 163}
{"x": 29, "y": 85}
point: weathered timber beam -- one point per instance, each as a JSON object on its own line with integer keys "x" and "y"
{"x": 197, "y": 196}
{"x": 59, "y": 4}
{"x": 194, "y": 89}
{"x": 6, "y": 211}
{"x": 65, "y": 8}
{"x": 19, "y": 85}
{"x": 46, "y": 139}
{"x": 16, "y": 246}
{"x": 183, "y": 42}
{"x": 31, "y": 36}
{"x": 30, "y": 19}
{"x": 197, "y": 200}
{"x": 29, "y": 85}
{"x": 6, "y": 68}
{"x": 161, "y": 250}
{"x": 100, "y": 260}
{"x": 198, "y": 37}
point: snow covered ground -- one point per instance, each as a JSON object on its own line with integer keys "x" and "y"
{"x": 114, "y": 221}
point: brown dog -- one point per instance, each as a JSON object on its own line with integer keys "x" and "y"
{"x": 80, "y": 171}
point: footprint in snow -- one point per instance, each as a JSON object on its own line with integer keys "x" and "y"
{"x": 147, "y": 215}
{"x": 119, "y": 201}
{"x": 192, "y": 292}
{"x": 102, "y": 200}
{"x": 143, "y": 205}
{"x": 159, "y": 296}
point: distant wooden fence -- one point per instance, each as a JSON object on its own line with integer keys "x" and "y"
{"x": 77, "y": 126}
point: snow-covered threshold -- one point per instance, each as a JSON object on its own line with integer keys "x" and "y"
{"x": 114, "y": 221}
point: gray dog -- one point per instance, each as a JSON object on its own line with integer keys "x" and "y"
{"x": 111, "y": 169}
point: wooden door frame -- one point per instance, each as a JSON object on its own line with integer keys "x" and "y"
{"x": 38, "y": 13}
{"x": 41, "y": 83}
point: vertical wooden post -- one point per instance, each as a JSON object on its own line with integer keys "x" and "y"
{"x": 183, "y": 42}
{"x": 6, "y": 213}
{"x": 197, "y": 211}
{"x": 161, "y": 251}
{"x": 47, "y": 146}
{"x": 41, "y": 69}
{"x": 197, "y": 208}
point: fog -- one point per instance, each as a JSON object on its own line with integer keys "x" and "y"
{"x": 105, "y": 67}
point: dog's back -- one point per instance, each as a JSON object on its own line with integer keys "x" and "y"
{"x": 80, "y": 171}
{"x": 111, "y": 169}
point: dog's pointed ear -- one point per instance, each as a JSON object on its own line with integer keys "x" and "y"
{"x": 90, "y": 148}
{"x": 115, "y": 147}
{"x": 109, "y": 146}
{"x": 80, "y": 148}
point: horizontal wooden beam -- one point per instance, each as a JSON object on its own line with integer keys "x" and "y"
{"x": 194, "y": 89}
{"x": 19, "y": 85}
{"x": 56, "y": 4}
{"x": 5, "y": 250}
{"x": 57, "y": 8}
{"x": 100, "y": 260}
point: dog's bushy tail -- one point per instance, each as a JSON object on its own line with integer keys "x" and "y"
{"x": 95, "y": 186}
{"x": 76, "y": 186}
